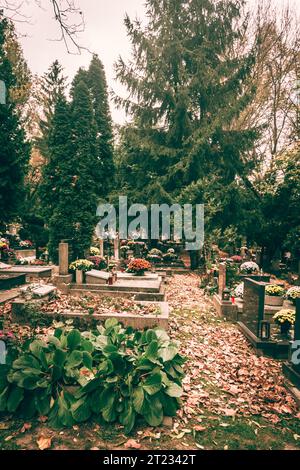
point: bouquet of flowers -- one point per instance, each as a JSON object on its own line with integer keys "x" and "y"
{"x": 4, "y": 245}
{"x": 99, "y": 262}
{"x": 22, "y": 262}
{"x": 26, "y": 244}
{"x": 293, "y": 293}
{"x": 274, "y": 290}
{"x": 138, "y": 266}
{"x": 285, "y": 316}
{"x": 170, "y": 255}
{"x": 94, "y": 251}
{"x": 239, "y": 291}
{"x": 237, "y": 258}
{"x": 81, "y": 265}
{"x": 249, "y": 268}
{"x": 155, "y": 255}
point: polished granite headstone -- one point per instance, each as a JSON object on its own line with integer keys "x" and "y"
{"x": 254, "y": 303}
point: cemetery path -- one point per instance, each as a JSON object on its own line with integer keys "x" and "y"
{"x": 232, "y": 398}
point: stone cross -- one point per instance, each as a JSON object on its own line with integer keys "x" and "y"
{"x": 222, "y": 278}
{"x": 63, "y": 253}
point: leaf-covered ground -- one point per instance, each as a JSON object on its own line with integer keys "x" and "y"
{"x": 233, "y": 399}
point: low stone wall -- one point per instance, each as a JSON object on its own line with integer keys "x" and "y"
{"x": 139, "y": 322}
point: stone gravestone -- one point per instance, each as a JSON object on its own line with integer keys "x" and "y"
{"x": 297, "y": 333}
{"x": 254, "y": 305}
{"x": 63, "y": 252}
{"x": 291, "y": 369}
{"x": 222, "y": 278}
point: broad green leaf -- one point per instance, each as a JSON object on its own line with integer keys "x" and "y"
{"x": 81, "y": 410}
{"x": 127, "y": 417}
{"x": 87, "y": 359}
{"x": 75, "y": 359}
{"x": 150, "y": 336}
{"x": 153, "y": 384}
{"x": 59, "y": 357}
{"x": 170, "y": 404}
{"x": 168, "y": 353}
{"x": 26, "y": 361}
{"x": 73, "y": 339}
{"x": 87, "y": 345}
{"x": 174, "y": 390}
{"x": 153, "y": 411}
{"x": 111, "y": 323}
{"x": 138, "y": 398}
{"x": 151, "y": 351}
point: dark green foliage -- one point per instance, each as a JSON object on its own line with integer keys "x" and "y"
{"x": 119, "y": 375}
{"x": 53, "y": 85}
{"x": 96, "y": 82}
{"x": 186, "y": 91}
{"x": 14, "y": 150}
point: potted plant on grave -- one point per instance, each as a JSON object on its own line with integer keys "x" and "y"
{"x": 155, "y": 256}
{"x": 249, "y": 267}
{"x": 80, "y": 267}
{"x": 238, "y": 291}
{"x": 285, "y": 318}
{"x": 99, "y": 262}
{"x": 94, "y": 251}
{"x": 236, "y": 259}
{"x": 124, "y": 251}
{"x": 274, "y": 295}
{"x": 292, "y": 294}
{"x": 138, "y": 266}
{"x": 25, "y": 244}
{"x": 170, "y": 256}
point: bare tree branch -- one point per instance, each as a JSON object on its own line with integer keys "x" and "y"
{"x": 67, "y": 14}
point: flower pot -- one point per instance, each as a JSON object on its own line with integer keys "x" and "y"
{"x": 79, "y": 276}
{"x": 285, "y": 328}
{"x": 274, "y": 300}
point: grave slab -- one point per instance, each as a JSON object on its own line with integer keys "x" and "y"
{"x": 32, "y": 271}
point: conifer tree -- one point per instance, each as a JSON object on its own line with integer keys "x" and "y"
{"x": 185, "y": 93}
{"x": 96, "y": 82}
{"x": 14, "y": 150}
{"x": 53, "y": 84}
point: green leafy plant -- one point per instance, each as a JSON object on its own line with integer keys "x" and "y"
{"x": 114, "y": 373}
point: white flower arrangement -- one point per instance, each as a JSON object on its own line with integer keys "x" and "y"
{"x": 293, "y": 293}
{"x": 249, "y": 267}
{"x": 239, "y": 290}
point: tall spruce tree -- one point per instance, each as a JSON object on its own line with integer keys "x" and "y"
{"x": 55, "y": 190}
{"x": 185, "y": 93}
{"x": 53, "y": 84}
{"x": 68, "y": 191}
{"x": 96, "y": 82}
{"x": 86, "y": 168}
{"x": 14, "y": 150}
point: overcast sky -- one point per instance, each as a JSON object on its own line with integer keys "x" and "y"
{"x": 104, "y": 34}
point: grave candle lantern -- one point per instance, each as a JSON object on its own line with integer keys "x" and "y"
{"x": 226, "y": 294}
{"x": 265, "y": 330}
